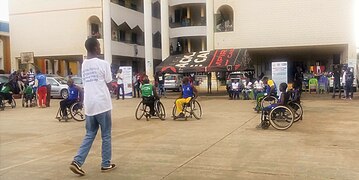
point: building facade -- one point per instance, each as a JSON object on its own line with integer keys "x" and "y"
{"x": 304, "y": 33}
{"x": 55, "y": 32}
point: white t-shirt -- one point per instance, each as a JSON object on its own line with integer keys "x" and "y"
{"x": 235, "y": 86}
{"x": 96, "y": 73}
{"x": 119, "y": 78}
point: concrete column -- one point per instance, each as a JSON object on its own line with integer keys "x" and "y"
{"x": 148, "y": 38}
{"x": 203, "y": 43}
{"x": 106, "y": 26}
{"x": 210, "y": 24}
{"x": 202, "y": 11}
{"x": 189, "y": 45}
{"x": 188, "y": 12}
{"x": 165, "y": 29}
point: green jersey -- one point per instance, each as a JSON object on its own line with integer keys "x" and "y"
{"x": 5, "y": 89}
{"x": 146, "y": 90}
{"x": 28, "y": 90}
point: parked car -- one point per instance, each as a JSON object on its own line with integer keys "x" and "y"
{"x": 240, "y": 76}
{"x": 77, "y": 80}
{"x": 59, "y": 87}
{"x": 173, "y": 82}
{"x": 4, "y": 78}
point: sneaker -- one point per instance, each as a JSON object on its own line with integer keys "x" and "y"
{"x": 181, "y": 115}
{"x": 111, "y": 167}
{"x": 76, "y": 168}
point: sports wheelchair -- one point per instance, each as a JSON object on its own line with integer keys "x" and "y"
{"x": 295, "y": 104}
{"x": 143, "y": 109}
{"x": 5, "y": 103}
{"x": 32, "y": 98}
{"x": 282, "y": 117}
{"x": 192, "y": 108}
{"x": 74, "y": 111}
{"x": 266, "y": 101}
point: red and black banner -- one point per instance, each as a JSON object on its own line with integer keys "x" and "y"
{"x": 214, "y": 61}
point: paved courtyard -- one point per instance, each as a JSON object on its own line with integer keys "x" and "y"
{"x": 223, "y": 145}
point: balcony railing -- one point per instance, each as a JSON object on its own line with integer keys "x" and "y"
{"x": 187, "y": 22}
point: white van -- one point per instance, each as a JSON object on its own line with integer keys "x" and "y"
{"x": 173, "y": 82}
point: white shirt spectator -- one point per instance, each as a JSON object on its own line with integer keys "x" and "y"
{"x": 258, "y": 85}
{"x": 96, "y": 73}
{"x": 119, "y": 77}
{"x": 235, "y": 86}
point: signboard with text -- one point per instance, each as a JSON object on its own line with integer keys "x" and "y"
{"x": 279, "y": 73}
{"x": 127, "y": 80}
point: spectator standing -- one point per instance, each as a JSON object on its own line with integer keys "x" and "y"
{"x": 337, "y": 84}
{"x": 229, "y": 89}
{"x": 30, "y": 76}
{"x": 23, "y": 77}
{"x": 97, "y": 76}
{"x": 298, "y": 77}
{"x": 40, "y": 83}
{"x": 323, "y": 83}
{"x": 349, "y": 79}
{"x": 343, "y": 82}
{"x": 161, "y": 84}
{"x": 119, "y": 77}
{"x": 48, "y": 95}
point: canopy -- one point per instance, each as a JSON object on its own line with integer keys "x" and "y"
{"x": 206, "y": 61}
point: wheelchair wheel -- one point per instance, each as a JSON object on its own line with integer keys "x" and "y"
{"x": 281, "y": 117}
{"x": 77, "y": 112}
{"x": 266, "y": 101}
{"x": 160, "y": 110}
{"x": 140, "y": 110}
{"x": 2, "y": 105}
{"x": 23, "y": 101}
{"x": 196, "y": 109}
{"x": 174, "y": 110}
{"x": 297, "y": 110}
{"x": 13, "y": 103}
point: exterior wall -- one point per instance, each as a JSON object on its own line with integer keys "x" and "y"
{"x": 58, "y": 28}
{"x": 189, "y": 31}
{"x": 286, "y": 23}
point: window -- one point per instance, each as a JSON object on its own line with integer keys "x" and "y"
{"x": 94, "y": 24}
{"x": 122, "y": 35}
{"x": 224, "y": 19}
{"x": 134, "y": 38}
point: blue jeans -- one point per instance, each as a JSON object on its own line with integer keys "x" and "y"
{"x": 102, "y": 120}
{"x": 161, "y": 90}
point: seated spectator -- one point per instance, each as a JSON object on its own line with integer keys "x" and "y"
{"x": 248, "y": 88}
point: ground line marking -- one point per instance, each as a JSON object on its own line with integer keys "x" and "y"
{"x": 206, "y": 149}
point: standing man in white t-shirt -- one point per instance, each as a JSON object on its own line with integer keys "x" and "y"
{"x": 119, "y": 78}
{"x": 96, "y": 75}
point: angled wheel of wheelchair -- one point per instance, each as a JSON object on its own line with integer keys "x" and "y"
{"x": 140, "y": 110}
{"x": 160, "y": 110}
{"x": 13, "y": 103}
{"x": 281, "y": 117}
{"x": 297, "y": 110}
{"x": 2, "y": 105}
{"x": 77, "y": 111}
{"x": 196, "y": 109}
{"x": 60, "y": 116}
{"x": 268, "y": 100}
{"x": 174, "y": 111}
{"x": 23, "y": 100}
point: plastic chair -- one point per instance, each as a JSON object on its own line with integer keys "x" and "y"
{"x": 313, "y": 85}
